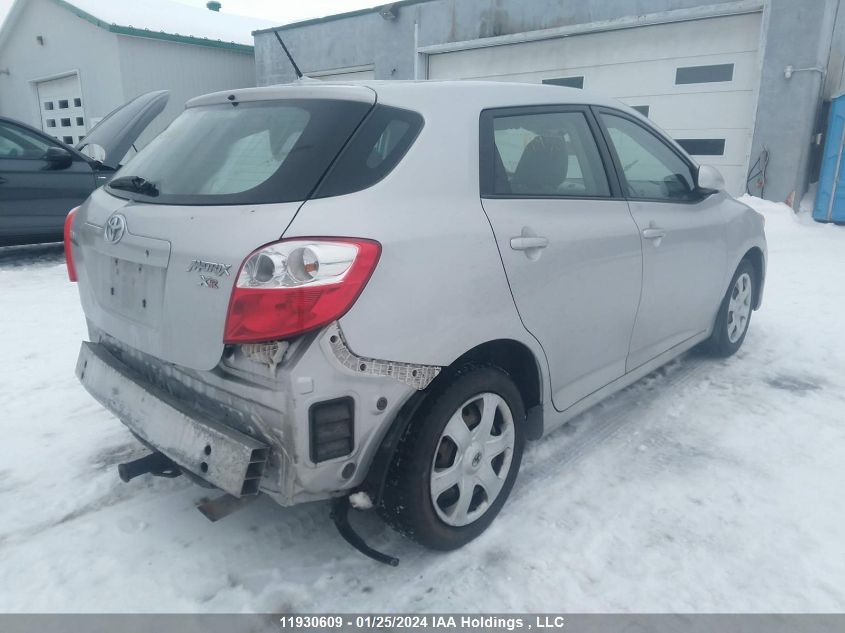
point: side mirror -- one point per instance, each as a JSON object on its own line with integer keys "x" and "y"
{"x": 58, "y": 157}
{"x": 710, "y": 179}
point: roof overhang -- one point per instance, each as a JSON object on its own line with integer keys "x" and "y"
{"x": 340, "y": 16}
{"x": 156, "y": 35}
{"x": 119, "y": 29}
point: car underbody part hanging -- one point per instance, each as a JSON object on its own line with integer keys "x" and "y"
{"x": 157, "y": 464}
{"x": 223, "y": 506}
{"x": 340, "y": 516}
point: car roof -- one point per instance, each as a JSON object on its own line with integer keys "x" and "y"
{"x": 423, "y": 94}
{"x": 487, "y": 94}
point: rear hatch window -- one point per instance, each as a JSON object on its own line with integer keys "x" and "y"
{"x": 372, "y": 153}
{"x": 246, "y": 153}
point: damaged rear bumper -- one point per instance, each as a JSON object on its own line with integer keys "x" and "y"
{"x": 222, "y": 456}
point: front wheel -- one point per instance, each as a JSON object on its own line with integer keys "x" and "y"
{"x": 458, "y": 461}
{"x": 735, "y": 312}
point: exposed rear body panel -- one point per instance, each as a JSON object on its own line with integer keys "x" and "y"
{"x": 165, "y": 290}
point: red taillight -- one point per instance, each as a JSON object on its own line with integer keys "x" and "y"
{"x": 293, "y": 286}
{"x": 71, "y": 269}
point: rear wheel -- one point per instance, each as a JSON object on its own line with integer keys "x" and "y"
{"x": 735, "y": 313}
{"x": 457, "y": 463}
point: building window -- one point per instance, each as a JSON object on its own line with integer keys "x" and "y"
{"x": 79, "y": 139}
{"x": 68, "y": 140}
{"x": 569, "y": 82}
{"x": 63, "y": 105}
{"x": 703, "y": 146}
{"x": 51, "y": 122}
{"x": 48, "y": 105}
{"x": 77, "y": 103}
{"x": 80, "y": 120}
{"x": 704, "y": 74}
{"x": 642, "y": 110}
{"x": 65, "y": 122}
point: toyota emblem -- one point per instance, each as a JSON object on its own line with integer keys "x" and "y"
{"x": 115, "y": 228}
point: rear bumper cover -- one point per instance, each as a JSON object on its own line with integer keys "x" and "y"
{"x": 225, "y": 457}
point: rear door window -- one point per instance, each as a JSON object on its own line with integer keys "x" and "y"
{"x": 18, "y": 143}
{"x": 550, "y": 154}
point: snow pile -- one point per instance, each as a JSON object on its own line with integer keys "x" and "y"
{"x": 174, "y": 18}
{"x": 710, "y": 485}
{"x": 361, "y": 501}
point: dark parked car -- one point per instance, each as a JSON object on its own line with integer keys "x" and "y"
{"x": 41, "y": 178}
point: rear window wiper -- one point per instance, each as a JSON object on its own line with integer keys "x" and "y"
{"x": 136, "y": 184}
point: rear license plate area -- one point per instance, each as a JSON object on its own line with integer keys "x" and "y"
{"x": 132, "y": 290}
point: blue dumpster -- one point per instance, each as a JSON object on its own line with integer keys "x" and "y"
{"x": 830, "y": 198}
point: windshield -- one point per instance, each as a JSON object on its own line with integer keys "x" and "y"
{"x": 248, "y": 153}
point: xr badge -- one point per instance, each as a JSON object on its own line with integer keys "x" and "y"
{"x": 209, "y": 282}
{"x": 207, "y": 269}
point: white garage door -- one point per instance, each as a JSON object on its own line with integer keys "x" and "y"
{"x": 357, "y": 73}
{"x": 62, "y": 110}
{"x": 697, "y": 80}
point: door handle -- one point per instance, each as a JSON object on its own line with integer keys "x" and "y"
{"x": 653, "y": 233}
{"x": 528, "y": 243}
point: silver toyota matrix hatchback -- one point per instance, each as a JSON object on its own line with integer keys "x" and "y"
{"x": 377, "y": 292}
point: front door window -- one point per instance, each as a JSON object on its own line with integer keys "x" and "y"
{"x": 651, "y": 169}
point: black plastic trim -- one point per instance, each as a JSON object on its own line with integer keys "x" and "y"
{"x": 379, "y": 468}
{"x": 312, "y": 428}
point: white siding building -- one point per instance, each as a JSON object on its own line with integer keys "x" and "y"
{"x": 65, "y": 64}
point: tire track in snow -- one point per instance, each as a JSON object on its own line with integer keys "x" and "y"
{"x": 568, "y": 445}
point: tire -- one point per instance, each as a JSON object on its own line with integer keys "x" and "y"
{"x": 728, "y": 336}
{"x": 445, "y": 444}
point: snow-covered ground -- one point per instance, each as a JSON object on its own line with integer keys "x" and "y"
{"x": 708, "y": 486}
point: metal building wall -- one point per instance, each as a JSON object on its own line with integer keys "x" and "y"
{"x": 797, "y": 33}
{"x": 186, "y": 70}
{"x": 365, "y": 38}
